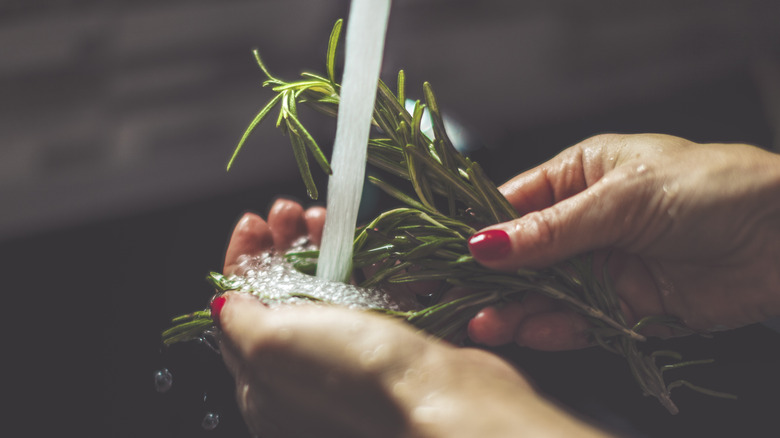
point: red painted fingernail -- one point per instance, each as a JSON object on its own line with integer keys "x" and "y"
{"x": 490, "y": 245}
{"x": 216, "y": 308}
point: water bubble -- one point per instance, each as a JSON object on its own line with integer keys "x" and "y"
{"x": 210, "y": 421}
{"x": 671, "y": 189}
{"x": 163, "y": 379}
{"x": 273, "y": 280}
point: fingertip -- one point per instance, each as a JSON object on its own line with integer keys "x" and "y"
{"x": 315, "y": 221}
{"x": 494, "y": 326}
{"x": 553, "y": 331}
{"x": 216, "y": 306}
{"x": 511, "y": 245}
{"x": 232, "y": 312}
{"x": 286, "y": 222}
{"x": 532, "y": 241}
{"x": 239, "y": 316}
{"x": 490, "y": 245}
{"x": 250, "y": 236}
{"x": 480, "y": 328}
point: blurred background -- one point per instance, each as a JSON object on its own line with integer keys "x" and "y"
{"x": 117, "y": 119}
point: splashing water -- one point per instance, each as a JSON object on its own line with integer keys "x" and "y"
{"x": 363, "y": 57}
{"x": 276, "y": 282}
{"x": 163, "y": 380}
{"x": 210, "y": 421}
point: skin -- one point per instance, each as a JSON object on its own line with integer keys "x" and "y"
{"x": 693, "y": 231}
{"x": 330, "y": 372}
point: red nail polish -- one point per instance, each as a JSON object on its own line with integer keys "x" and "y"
{"x": 490, "y": 245}
{"x": 216, "y": 308}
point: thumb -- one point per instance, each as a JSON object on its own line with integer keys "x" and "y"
{"x": 240, "y": 317}
{"x": 593, "y": 219}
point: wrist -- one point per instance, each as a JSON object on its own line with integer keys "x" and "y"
{"x": 770, "y": 195}
{"x": 456, "y": 393}
{"x": 764, "y": 171}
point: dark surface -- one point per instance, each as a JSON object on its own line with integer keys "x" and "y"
{"x": 98, "y": 255}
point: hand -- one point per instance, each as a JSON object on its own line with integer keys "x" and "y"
{"x": 287, "y": 221}
{"x": 694, "y": 232}
{"x": 311, "y": 370}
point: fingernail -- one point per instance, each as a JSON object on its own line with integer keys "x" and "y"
{"x": 216, "y": 308}
{"x": 490, "y": 245}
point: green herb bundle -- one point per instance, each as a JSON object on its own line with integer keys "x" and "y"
{"x": 447, "y": 199}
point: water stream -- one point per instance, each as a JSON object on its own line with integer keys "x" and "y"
{"x": 364, "y": 45}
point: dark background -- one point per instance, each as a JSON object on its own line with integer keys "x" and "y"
{"x": 117, "y": 118}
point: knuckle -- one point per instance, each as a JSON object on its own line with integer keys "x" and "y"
{"x": 603, "y": 141}
{"x": 540, "y": 229}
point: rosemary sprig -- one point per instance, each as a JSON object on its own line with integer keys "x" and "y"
{"x": 450, "y": 197}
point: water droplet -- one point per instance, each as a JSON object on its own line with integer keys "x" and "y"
{"x": 400, "y": 389}
{"x": 210, "y": 421}
{"x": 369, "y": 357}
{"x": 163, "y": 379}
{"x": 672, "y": 189}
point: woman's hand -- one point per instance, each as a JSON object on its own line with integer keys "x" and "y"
{"x": 310, "y": 370}
{"x": 693, "y": 231}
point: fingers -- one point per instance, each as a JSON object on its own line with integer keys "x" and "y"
{"x": 315, "y": 222}
{"x": 287, "y": 223}
{"x": 497, "y": 325}
{"x": 317, "y": 370}
{"x": 558, "y": 179}
{"x": 251, "y": 236}
{"x": 605, "y": 191}
{"x": 609, "y": 213}
{"x": 535, "y": 195}
{"x": 536, "y": 322}
{"x": 240, "y": 321}
{"x": 554, "y": 331}
{"x": 243, "y": 335}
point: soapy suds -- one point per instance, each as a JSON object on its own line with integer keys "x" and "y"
{"x": 274, "y": 281}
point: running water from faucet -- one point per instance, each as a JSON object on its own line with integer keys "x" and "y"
{"x": 365, "y": 38}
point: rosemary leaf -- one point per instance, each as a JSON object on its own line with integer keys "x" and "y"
{"x": 258, "y": 118}
{"x": 299, "y": 151}
{"x": 260, "y": 63}
{"x": 311, "y": 145}
{"x": 401, "y": 88}
{"x": 330, "y": 60}
{"x": 395, "y": 193}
